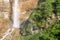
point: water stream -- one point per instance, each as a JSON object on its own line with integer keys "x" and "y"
{"x": 16, "y": 21}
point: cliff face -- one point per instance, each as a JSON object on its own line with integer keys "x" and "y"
{"x": 6, "y": 12}
{"x": 4, "y": 16}
{"x": 26, "y": 5}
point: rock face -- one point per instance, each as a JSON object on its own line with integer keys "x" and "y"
{"x": 26, "y": 5}
{"x": 6, "y": 17}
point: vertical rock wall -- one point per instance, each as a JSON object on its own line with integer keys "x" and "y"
{"x": 4, "y": 16}
{"x": 24, "y": 8}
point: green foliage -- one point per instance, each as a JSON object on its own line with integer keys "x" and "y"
{"x": 48, "y": 34}
{"x": 58, "y": 7}
{"x": 25, "y": 37}
{"x": 41, "y": 12}
{"x": 39, "y": 16}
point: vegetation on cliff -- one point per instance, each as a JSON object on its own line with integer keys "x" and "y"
{"x": 46, "y": 19}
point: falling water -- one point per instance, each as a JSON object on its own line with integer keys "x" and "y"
{"x": 5, "y": 1}
{"x": 16, "y": 21}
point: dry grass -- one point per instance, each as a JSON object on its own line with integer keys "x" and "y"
{"x": 14, "y": 36}
{"x": 28, "y": 4}
{"x": 3, "y": 26}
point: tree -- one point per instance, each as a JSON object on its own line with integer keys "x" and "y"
{"x": 38, "y": 18}
{"x": 58, "y": 7}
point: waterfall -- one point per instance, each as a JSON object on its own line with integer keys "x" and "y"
{"x": 16, "y": 21}
{"x": 5, "y": 1}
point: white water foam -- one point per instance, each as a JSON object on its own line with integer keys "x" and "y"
{"x": 6, "y": 1}
{"x": 16, "y": 21}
